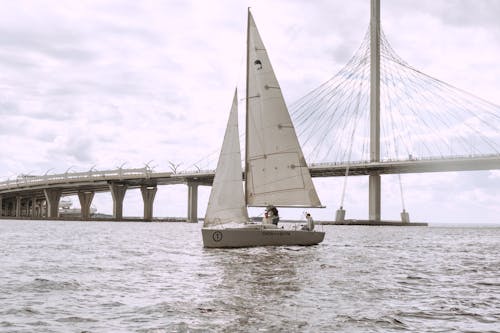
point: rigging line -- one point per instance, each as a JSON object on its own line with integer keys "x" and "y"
{"x": 451, "y": 86}
{"x": 463, "y": 105}
{"x": 388, "y": 55}
{"x": 408, "y": 102}
{"x": 340, "y": 74}
{"x": 392, "y": 78}
{"x": 456, "y": 109}
{"x": 446, "y": 113}
{"x": 484, "y": 113}
{"x": 353, "y": 116}
{"x": 432, "y": 119}
{"x": 470, "y": 118}
{"x": 385, "y": 112}
{"x": 318, "y": 102}
{"x": 354, "y": 57}
{"x": 459, "y": 102}
{"x": 417, "y": 85}
{"x": 452, "y": 100}
{"x": 337, "y": 104}
{"x": 354, "y": 127}
{"x": 339, "y": 91}
{"x": 389, "y": 100}
{"x": 385, "y": 139}
{"x": 324, "y": 112}
{"x": 338, "y": 107}
{"x": 318, "y": 91}
{"x": 401, "y": 191}
{"x": 327, "y": 100}
{"x": 343, "y": 124}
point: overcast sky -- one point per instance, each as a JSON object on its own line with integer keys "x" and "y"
{"x": 103, "y": 83}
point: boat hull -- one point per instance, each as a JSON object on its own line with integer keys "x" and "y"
{"x": 249, "y": 237}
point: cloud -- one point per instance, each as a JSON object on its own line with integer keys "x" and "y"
{"x": 108, "y": 82}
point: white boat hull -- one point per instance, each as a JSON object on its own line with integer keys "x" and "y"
{"x": 248, "y": 237}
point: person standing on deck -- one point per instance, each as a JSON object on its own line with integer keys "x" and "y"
{"x": 310, "y": 223}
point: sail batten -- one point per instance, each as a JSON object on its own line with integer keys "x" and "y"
{"x": 275, "y": 170}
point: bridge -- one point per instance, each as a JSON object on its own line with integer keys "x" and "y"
{"x": 38, "y": 196}
{"x": 378, "y": 115}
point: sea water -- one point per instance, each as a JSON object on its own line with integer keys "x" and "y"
{"x": 156, "y": 277}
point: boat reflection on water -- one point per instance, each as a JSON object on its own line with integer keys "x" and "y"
{"x": 260, "y": 286}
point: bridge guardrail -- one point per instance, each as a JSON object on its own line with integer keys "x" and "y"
{"x": 117, "y": 174}
{"x": 27, "y": 181}
{"x": 411, "y": 158}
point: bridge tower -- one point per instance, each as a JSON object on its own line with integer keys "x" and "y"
{"x": 374, "y": 183}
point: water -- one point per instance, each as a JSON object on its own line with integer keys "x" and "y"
{"x": 157, "y": 277}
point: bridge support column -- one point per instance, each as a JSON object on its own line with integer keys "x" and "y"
{"x": 374, "y": 180}
{"x": 405, "y": 217}
{"x": 374, "y": 187}
{"x": 85, "y": 199}
{"x": 192, "y": 202}
{"x": 148, "y": 196}
{"x": 43, "y": 209}
{"x": 52, "y": 196}
{"x": 12, "y": 207}
{"x": 340, "y": 215}
{"x": 1, "y": 206}
{"x": 18, "y": 206}
{"x": 118, "y": 193}
{"x": 34, "y": 212}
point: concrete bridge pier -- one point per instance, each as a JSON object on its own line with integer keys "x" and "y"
{"x": 7, "y": 211}
{"x": 148, "y": 196}
{"x": 405, "y": 216}
{"x": 340, "y": 215}
{"x": 34, "y": 207}
{"x": 52, "y": 196}
{"x": 374, "y": 186}
{"x": 85, "y": 198}
{"x": 1, "y": 206}
{"x": 192, "y": 202}
{"x": 43, "y": 208}
{"x": 18, "y": 206}
{"x": 118, "y": 193}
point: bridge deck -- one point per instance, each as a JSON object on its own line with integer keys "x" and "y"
{"x": 98, "y": 181}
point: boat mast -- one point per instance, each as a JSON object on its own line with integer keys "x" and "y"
{"x": 246, "y": 107}
{"x": 374, "y": 179}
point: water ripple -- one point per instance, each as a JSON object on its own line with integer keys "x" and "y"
{"x": 157, "y": 277}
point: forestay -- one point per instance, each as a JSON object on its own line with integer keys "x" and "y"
{"x": 227, "y": 202}
{"x": 276, "y": 171}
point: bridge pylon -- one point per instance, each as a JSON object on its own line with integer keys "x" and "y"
{"x": 374, "y": 191}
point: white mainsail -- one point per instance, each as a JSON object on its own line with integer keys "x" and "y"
{"x": 276, "y": 172}
{"x": 227, "y": 201}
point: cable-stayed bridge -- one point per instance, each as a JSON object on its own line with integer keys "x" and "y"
{"x": 377, "y": 115}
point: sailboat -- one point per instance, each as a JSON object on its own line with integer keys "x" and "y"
{"x": 276, "y": 173}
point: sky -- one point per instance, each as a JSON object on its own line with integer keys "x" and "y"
{"x": 108, "y": 83}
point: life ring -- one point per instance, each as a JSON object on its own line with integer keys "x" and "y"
{"x": 217, "y": 236}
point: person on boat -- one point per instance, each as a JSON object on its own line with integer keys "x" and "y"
{"x": 272, "y": 213}
{"x": 266, "y": 219}
{"x": 310, "y": 223}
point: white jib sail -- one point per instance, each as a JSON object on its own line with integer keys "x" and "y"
{"x": 227, "y": 201}
{"x": 276, "y": 171}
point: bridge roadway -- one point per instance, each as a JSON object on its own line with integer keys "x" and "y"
{"x": 38, "y": 189}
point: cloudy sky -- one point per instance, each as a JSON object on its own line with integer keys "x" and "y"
{"x": 102, "y": 83}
